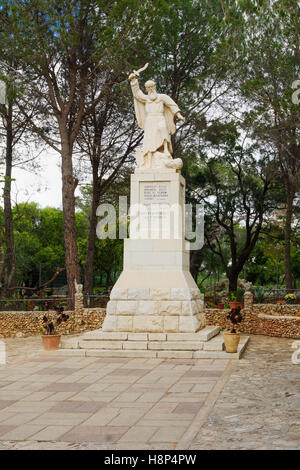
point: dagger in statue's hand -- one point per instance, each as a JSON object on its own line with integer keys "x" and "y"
{"x": 136, "y": 73}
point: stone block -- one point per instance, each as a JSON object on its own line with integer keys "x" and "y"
{"x": 159, "y": 294}
{"x": 171, "y": 323}
{"x": 118, "y": 294}
{"x": 102, "y": 336}
{"x": 175, "y": 354}
{"x": 200, "y": 305}
{"x": 111, "y": 307}
{"x": 215, "y": 344}
{"x": 126, "y": 307}
{"x": 137, "y": 337}
{"x": 138, "y": 294}
{"x": 180, "y": 294}
{"x": 135, "y": 345}
{"x": 147, "y": 307}
{"x": 188, "y": 324}
{"x": 175, "y": 345}
{"x": 120, "y": 353}
{"x": 147, "y": 323}
{"x": 100, "y": 344}
{"x": 183, "y": 337}
{"x": 208, "y": 332}
{"x": 69, "y": 343}
{"x": 171, "y": 307}
{"x": 124, "y": 323}
{"x": 201, "y": 319}
{"x": 110, "y": 323}
{"x": 157, "y": 336}
{"x": 189, "y": 307}
{"x": 196, "y": 294}
{"x": 69, "y": 352}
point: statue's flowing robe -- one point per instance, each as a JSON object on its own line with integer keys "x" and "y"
{"x": 155, "y": 117}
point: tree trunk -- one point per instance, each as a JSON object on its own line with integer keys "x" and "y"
{"x": 90, "y": 250}
{"x": 233, "y": 280}
{"x": 194, "y": 265}
{"x": 1, "y": 262}
{"x": 70, "y": 238}
{"x": 10, "y": 257}
{"x": 287, "y": 239}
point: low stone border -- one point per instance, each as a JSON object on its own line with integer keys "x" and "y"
{"x": 254, "y": 322}
{"x": 22, "y": 324}
{"x": 260, "y": 319}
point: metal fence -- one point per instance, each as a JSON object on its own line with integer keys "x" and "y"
{"x": 96, "y": 300}
{"x": 32, "y": 303}
{"x": 267, "y": 295}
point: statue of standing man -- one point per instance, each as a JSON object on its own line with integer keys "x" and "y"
{"x": 155, "y": 114}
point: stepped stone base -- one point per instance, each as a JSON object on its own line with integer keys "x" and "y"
{"x": 155, "y": 310}
{"x": 207, "y": 343}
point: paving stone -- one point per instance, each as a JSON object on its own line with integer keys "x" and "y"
{"x": 138, "y": 434}
{"x": 203, "y": 387}
{"x": 61, "y": 418}
{"x": 150, "y": 397}
{"x": 6, "y": 403}
{"x": 102, "y": 417}
{"x": 5, "y": 428}
{"x": 167, "y": 434}
{"x": 128, "y": 417}
{"x": 77, "y": 407}
{"x": 99, "y": 434}
{"x": 65, "y": 387}
{"x": 175, "y": 354}
{"x": 51, "y": 433}
{"x": 21, "y": 418}
{"x": 128, "y": 396}
{"x": 22, "y": 432}
{"x": 187, "y": 408}
{"x": 256, "y": 409}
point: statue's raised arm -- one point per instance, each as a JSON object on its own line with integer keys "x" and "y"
{"x": 155, "y": 114}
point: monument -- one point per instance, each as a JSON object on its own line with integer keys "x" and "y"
{"x": 155, "y": 307}
{"x": 155, "y": 292}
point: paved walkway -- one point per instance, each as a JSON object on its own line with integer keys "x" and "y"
{"x": 49, "y": 402}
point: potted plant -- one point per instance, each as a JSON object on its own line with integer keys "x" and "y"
{"x": 233, "y": 300}
{"x": 220, "y": 306}
{"x": 50, "y": 339}
{"x": 240, "y": 297}
{"x": 290, "y": 298}
{"x": 232, "y": 338}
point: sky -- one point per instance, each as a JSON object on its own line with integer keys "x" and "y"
{"x": 44, "y": 186}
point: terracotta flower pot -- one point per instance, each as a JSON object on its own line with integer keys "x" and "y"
{"x": 220, "y": 306}
{"x": 231, "y": 341}
{"x": 234, "y": 304}
{"x": 51, "y": 342}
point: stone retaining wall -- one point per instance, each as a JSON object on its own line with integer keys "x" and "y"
{"x": 275, "y": 309}
{"x": 19, "y": 324}
{"x": 261, "y": 319}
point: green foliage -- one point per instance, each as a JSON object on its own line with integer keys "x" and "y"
{"x": 259, "y": 294}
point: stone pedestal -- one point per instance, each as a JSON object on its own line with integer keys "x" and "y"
{"x": 248, "y": 300}
{"x": 156, "y": 292}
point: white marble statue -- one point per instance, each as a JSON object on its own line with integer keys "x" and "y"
{"x": 155, "y": 114}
